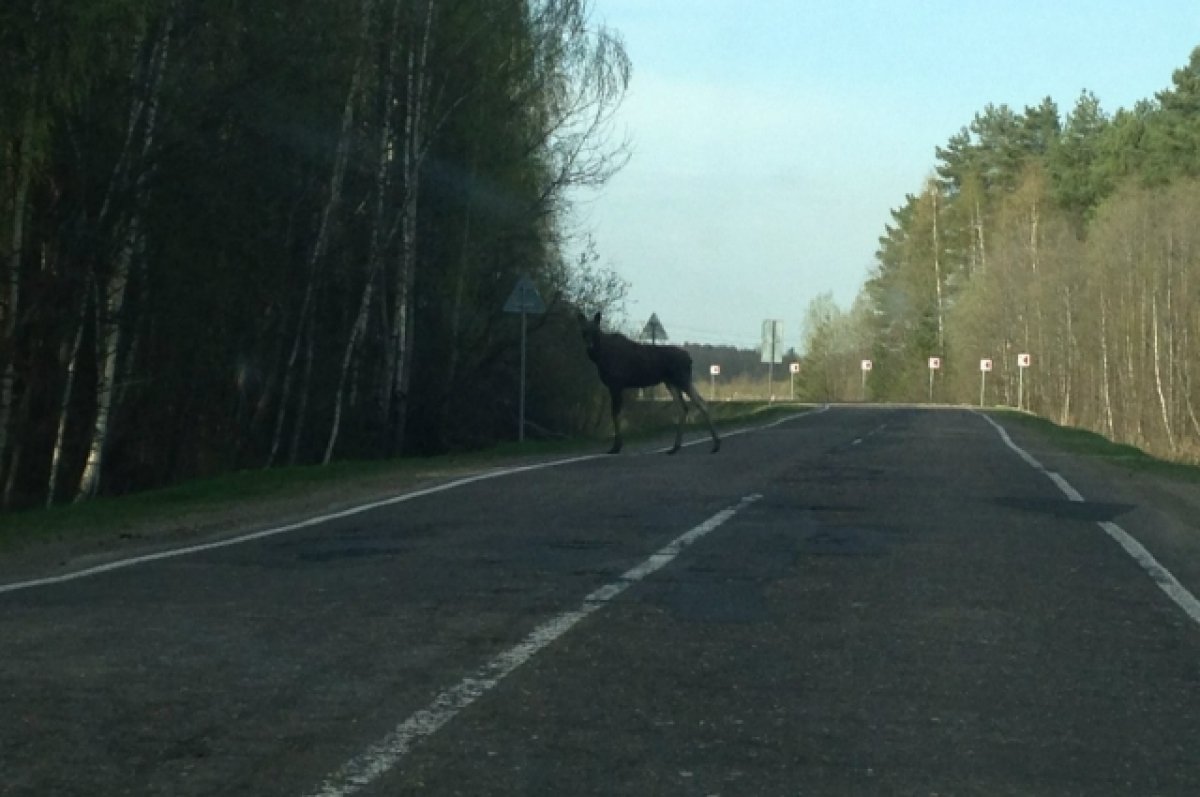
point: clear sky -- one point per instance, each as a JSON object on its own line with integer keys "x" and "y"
{"x": 773, "y": 137}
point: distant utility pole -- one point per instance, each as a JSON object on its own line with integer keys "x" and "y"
{"x": 772, "y": 351}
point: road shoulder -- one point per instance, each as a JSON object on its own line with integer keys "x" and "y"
{"x": 1160, "y": 510}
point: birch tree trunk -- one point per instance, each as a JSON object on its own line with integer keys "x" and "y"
{"x": 305, "y": 385}
{"x": 1158, "y": 382}
{"x": 400, "y": 353}
{"x": 937, "y": 270}
{"x": 1185, "y": 375}
{"x": 321, "y": 243}
{"x": 979, "y": 237}
{"x": 457, "y": 300}
{"x": 10, "y": 308}
{"x": 1187, "y": 391}
{"x": 375, "y": 247}
{"x": 1106, "y": 396}
{"x": 10, "y": 301}
{"x": 1069, "y": 346}
{"x": 111, "y": 314}
{"x": 356, "y": 333}
{"x": 10, "y": 483}
{"x": 64, "y": 407}
{"x": 1037, "y": 276}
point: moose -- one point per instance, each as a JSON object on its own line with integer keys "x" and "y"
{"x": 622, "y": 363}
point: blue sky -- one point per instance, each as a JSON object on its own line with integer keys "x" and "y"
{"x": 772, "y": 138}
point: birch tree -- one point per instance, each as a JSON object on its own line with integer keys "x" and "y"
{"x": 320, "y": 243}
{"x": 130, "y": 176}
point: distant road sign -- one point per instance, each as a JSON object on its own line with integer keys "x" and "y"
{"x": 866, "y": 365}
{"x": 1024, "y": 360}
{"x": 653, "y": 331}
{"x": 935, "y": 363}
{"x": 794, "y": 368}
{"x": 715, "y": 370}
{"x": 525, "y": 298}
{"x": 985, "y": 365}
{"x": 772, "y": 341}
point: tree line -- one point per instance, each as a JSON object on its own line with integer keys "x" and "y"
{"x": 252, "y": 234}
{"x": 1070, "y": 237}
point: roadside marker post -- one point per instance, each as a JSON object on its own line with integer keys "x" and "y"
{"x": 1023, "y": 362}
{"x": 985, "y": 365}
{"x": 714, "y": 371}
{"x": 794, "y": 368}
{"x": 935, "y": 363}
{"x": 866, "y": 366}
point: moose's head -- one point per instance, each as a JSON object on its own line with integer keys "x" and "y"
{"x": 590, "y": 331}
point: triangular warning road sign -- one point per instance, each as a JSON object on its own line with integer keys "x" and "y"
{"x": 525, "y": 298}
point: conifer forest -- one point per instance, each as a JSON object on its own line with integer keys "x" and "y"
{"x": 1070, "y": 236}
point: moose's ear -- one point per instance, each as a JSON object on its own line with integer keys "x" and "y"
{"x": 596, "y": 318}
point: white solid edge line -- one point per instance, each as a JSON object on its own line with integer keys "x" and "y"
{"x": 384, "y": 755}
{"x": 1161, "y": 576}
{"x": 271, "y": 532}
{"x": 316, "y": 520}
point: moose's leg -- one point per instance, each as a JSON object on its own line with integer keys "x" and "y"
{"x": 694, "y": 395}
{"x": 615, "y": 395}
{"x": 682, "y": 417}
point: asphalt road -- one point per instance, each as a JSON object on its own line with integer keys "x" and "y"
{"x": 860, "y": 601}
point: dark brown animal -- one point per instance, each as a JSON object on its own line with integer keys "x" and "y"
{"x": 622, "y": 363}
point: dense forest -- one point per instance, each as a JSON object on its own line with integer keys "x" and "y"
{"x": 1071, "y": 237}
{"x": 239, "y": 235}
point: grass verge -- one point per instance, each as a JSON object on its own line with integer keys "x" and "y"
{"x": 1087, "y": 443}
{"x": 204, "y": 505}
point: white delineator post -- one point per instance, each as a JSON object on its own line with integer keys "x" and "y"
{"x": 1023, "y": 362}
{"x": 985, "y": 365}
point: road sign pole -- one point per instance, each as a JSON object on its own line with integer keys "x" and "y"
{"x": 1020, "y": 388}
{"x": 521, "y": 410}
{"x": 930, "y": 385}
{"x": 524, "y": 299}
{"x": 982, "y": 386}
{"x": 864, "y": 384}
